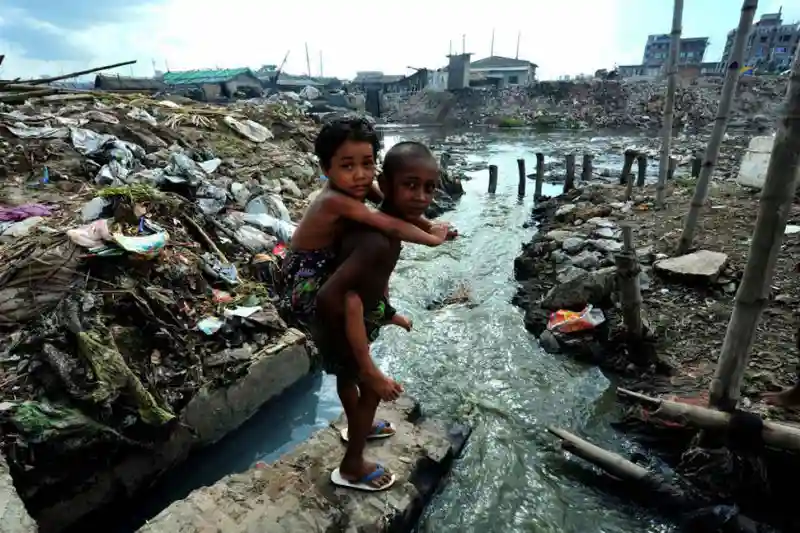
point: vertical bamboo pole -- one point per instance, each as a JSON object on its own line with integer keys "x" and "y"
{"x": 669, "y": 104}
{"x": 537, "y": 191}
{"x": 569, "y": 182}
{"x": 773, "y": 211}
{"x": 586, "y": 169}
{"x": 492, "y": 179}
{"x": 641, "y": 159}
{"x": 522, "y": 178}
{"x": 720, "y": 125}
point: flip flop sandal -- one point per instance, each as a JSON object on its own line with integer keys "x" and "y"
{"x": 365, "y": 482}
{"x": 377, "y": 433}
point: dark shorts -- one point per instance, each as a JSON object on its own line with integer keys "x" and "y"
{"x": 302, "y": 276}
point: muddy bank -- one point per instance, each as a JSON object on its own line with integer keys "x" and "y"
{"x": 295, "y": 493}
{"x": 687, "y": 302}
{"x": 569, "y": 264}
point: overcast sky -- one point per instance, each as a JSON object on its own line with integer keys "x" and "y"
{"x": 563, "y": 36}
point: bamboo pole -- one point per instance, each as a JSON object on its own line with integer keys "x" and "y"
{"x": 586, "y": 169}
{"x": 720, "y": 125}
{"x": 641, "y": 160}
{"x": 669, "y": 104}
{"x": 537, "y": 191}
{"x": 625, "y": 176}
{"x": 772, "y": 433}
{"x": 628, "y": 282}
{"x": 42, "y": 81}
{"x": 610, "y": 462}
{"x": 773, "y": 211}
{"x": 492, "y": 179}
{"x": 523, "y": 177}
{"x": 569, "y": 181}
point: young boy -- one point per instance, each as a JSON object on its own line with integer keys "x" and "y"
{"x": 368, "y": 258}
{"x": 347, "y": 150}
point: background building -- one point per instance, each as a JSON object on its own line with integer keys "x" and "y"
{"x": 506, "y": 71}
{"x": 770, "y": 44}
{"x": 656, "y": 51}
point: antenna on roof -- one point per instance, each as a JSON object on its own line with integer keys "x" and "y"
{"x": 491, "y": 50}
{"x": 320, "y": 63}
{"x": 519, "y": 35}
{"x": 308, "y": 62}
{"x": 451, "y": 48}
{"x": 464, "y": 43}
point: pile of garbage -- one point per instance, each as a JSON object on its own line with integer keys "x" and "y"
{"x": 138, "y": 246}
{"x": 596, "y": 104}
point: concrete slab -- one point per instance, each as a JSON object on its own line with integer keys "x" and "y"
{"x": 209, "y": 416}
{"x": 700, "y": 265}
{"x": 753, "y": 169}
{"x": 14, "y": 517}
{"x": 295, "y": 494}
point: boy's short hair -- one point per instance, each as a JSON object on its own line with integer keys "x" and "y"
{"x": 338, "y": 131}
{"x": 401, "y": 153}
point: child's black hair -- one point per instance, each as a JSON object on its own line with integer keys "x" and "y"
{"x": 337, "y": 132}
{"x": 401, "y": 153}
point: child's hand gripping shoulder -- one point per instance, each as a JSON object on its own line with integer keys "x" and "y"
{"x": 352, "y": 209}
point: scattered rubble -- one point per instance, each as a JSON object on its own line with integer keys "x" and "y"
{"x": 595, "y": 105}
{"x": 687, "y": 300}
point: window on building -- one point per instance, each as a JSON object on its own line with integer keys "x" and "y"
{"x": 513, "y": 80}
{"x": 780, "y": 49}
{"x": 785, "y": 38}
{"x": 764, "y": 39}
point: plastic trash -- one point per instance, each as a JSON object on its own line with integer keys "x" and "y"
{"x": 145, "y": 245}
{"x": 269, "y": 204}
{"x": 93, "y": 209}
{"x": 22, "y": 212}
{"x": 310, "y": 93}
{"x": 20, "y": 229}
{"x": 214, "y": 266}
{"x": 211, "y": 165}
{"x": 92, "y": 235}
{"x": 210, "y": 325}
{"x": 280, "y": 228}
{"x": 23, "y": 131}
{"x": 249, "y": 129}
{"x": 143, "y": 116}
{"x": 254, "y": 239}
{"x": 563, "y": 321}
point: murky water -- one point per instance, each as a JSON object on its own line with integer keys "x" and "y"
{"x": 479, "y": 363}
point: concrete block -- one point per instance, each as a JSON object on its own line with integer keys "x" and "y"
{"x": 295, "y": 493}
{"x": 753, "y": 169}
{"x": 209, "y": 416}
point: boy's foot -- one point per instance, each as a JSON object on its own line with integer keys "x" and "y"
{"x": 371, "y": 478}
{"x": 386, "y": 388}
{"x": 381, "y": 429}
{"x": 787, "y": 398}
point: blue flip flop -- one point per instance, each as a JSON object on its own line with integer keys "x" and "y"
{"x": 377, "y": 433}
{"x": 365, "y": 482}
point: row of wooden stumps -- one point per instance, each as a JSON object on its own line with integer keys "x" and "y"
{"x": 626, "y": 177}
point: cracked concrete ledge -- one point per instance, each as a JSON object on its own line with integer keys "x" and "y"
{"x": 14, "y": 516}
{"x": 208, "y": 417}
{"x": 295, "y": 495}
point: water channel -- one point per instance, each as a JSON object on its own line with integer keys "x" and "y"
{"x": 474, "y": 362}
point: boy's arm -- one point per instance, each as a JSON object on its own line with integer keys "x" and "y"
{"x": 352, "y": 209}
{"x": 427, "y": 225}
{"x": 356, "y": 330}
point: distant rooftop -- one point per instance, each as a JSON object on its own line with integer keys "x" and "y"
{"x": 499, "y": 62}
{"x": 199, "y": 77}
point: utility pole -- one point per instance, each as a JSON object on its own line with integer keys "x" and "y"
{"x": 308, "y": 62}
{"x": 464, "y": 43}
{"x": 519, "y": 35}
{"x": 320, "y": 63}
{"x": 491, "y": 50}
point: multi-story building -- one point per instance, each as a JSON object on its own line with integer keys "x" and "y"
{"x": 770, "y": 46}
{"x": 656, "y": 51}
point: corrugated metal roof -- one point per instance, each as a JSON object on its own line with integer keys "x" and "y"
{"x": 195, "y": 77}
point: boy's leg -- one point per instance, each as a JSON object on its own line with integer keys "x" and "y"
{"x": 348, "y": 394}
{"x": 354, "y": 467}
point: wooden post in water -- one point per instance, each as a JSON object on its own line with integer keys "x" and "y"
{"x": 492, "y": 179}
{"x": 629, "y": 188}
{"x": 569, "y": 182}
{"x": 641, "y": 159}
{"x": 522, "y": 178}
{"x": 673, "y": 164}
{"x": 586, "y": 171}
{"x": 697, "y": 164}
{"x": 537, "y": 191}
{"x": 630, "y": 155}
{"x": 628, "y": 280}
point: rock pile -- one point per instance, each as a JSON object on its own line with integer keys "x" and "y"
{"x": 595, "y": 104}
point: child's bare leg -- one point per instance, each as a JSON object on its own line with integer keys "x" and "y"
{"x": 786, "y": 398}
{"x": 354, "y": 467}
{"x": 348, "y": 394}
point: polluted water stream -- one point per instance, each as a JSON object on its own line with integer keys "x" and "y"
{"x": 469, "y": 361}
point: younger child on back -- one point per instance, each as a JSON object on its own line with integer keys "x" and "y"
{"x": 347, "y": 150}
